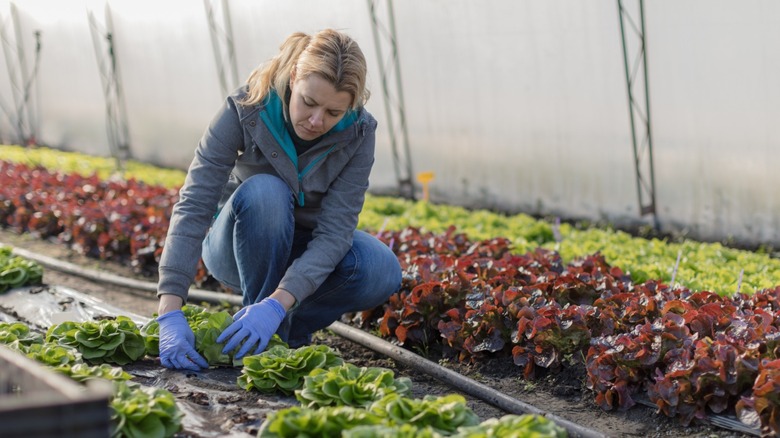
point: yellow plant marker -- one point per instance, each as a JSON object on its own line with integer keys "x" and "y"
{"x": 425, "y": 178}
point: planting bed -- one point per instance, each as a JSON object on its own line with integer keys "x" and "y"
{"x": 588, "y": 325}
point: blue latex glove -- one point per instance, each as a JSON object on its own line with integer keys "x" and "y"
{"x": 177, "y": 343}
{"x": 253, "y": 325}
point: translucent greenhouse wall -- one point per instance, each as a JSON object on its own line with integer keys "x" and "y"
{"x": 517, "y": 105}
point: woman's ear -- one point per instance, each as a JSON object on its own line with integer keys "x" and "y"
{"x": 292, "y": 76}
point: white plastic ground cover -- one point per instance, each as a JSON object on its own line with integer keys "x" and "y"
{"x": 45, "y": 306}
{"x": 212, "y": 402}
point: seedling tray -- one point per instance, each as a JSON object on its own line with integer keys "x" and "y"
{"x": 38, "y": 402}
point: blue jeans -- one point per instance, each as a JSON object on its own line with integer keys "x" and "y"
{"x": 254, "y": 240}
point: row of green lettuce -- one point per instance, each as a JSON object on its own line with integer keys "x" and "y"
{"x": 17, "y": 271}
{"x": 695, "y": 265}
{"x": 336, "y": 398}
{"x": 135, "y": 410}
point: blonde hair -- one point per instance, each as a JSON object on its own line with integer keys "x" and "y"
{"x": 330, "y": 54}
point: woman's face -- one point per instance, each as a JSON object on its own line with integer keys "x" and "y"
{"x": 316, "y": 106}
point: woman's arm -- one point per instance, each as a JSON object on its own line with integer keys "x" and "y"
{"x": 192, "y": 215}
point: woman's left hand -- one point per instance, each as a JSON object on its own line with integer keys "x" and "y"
{"x": 253, "y": 325}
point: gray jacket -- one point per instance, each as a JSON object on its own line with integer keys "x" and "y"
{"x": 239, "y": 143}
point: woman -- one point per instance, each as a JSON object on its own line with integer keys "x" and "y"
{"x": 285, "y": 166}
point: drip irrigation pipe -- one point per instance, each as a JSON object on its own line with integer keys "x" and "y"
{"x": 117, "y": 280}
{"x": 447, "y": 376}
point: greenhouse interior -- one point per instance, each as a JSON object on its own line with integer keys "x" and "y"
{"x": 504, "y": 218}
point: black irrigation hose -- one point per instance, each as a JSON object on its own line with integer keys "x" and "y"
{"x": 118, "y": 280}
{"x": 456, "y": 380}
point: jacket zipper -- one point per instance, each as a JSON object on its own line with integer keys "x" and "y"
{"x": 307, "y": 169}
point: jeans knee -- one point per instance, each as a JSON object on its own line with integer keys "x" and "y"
{"x": 392, "y": 279}
{"x": 383, "y": 275}
{"x": 265, "y": 196}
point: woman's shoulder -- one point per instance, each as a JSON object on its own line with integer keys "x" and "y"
{"x": 240, "y": 92}
{"x": 237, "y": 98}
{"x": 366, "y": 117}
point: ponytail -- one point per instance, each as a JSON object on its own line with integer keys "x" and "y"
{"x": 275, "y": 74}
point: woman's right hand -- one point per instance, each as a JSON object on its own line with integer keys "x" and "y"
{"x": 177, "y": 341}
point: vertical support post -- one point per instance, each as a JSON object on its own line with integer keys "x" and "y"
{"x": 23, "y": 116}
{"x": 392, "y": 92}
{"x": 639, "y": 105}
{"x": 222, "y": 43}
{"x": 116, "y": 114}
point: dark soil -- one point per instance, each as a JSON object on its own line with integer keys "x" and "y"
{"x": 214, "y": 406}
